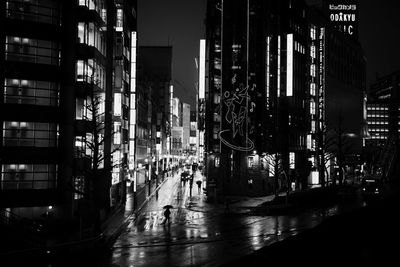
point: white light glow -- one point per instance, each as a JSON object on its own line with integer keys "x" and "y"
{"x": 117, "y": 104}
{"x": 289, "y": 65}
{"x": 202, "y": 76}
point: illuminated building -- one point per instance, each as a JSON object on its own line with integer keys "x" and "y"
{"x": 276, "y": 73}
{"x": 201, "y": 100}
{"x": 193, "y": 133}
{"x": 383, "y": 109}
{"x": 64, "y": 64}
{"x": 256, "y": 96}
{"x": 153, "y": 118}
{"x": 176, "y": 130}
{"x": 340, "y": 87}
{"x": 186, "y": 127}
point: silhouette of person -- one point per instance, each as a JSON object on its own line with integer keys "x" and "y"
{"x": 167, "y": 214}
{"x": 198, "y": 185}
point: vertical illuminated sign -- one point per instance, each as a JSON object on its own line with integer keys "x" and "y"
{"x": 267, "y": 93}
{"x": 132, "y": 117}
{"x": 289, "y": 65}
{"x": 279, "y": 68}
{"x": 292, "y": 160}
{"x": 202, "y": 67}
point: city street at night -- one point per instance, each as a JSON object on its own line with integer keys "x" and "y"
{"x": 146, "y": 133}
{"x": 201, "y": 234}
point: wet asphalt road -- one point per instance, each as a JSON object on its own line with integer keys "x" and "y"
{"x": 202, "y": 236}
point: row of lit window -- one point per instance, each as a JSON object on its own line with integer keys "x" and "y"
{"x": 299, "y": 47}
{"x": 91, "y": 72}
{"x": 33, "y": 134}
{"x": 376, "y": 108}
{"x": 378, "y": 137}
{"x": 313, "y": 32}
{"x": 378, "y": 122}
{"x": 379, "y": 130}
{"x": 90, "y": 34}
{"x": 32, "y": 50}
{"x": 37, "y": 11}
{"x": 97, "y": 5}
{"x": 378, "y": 115}
{"x": 28, "y": 176}
{"x": 31, "y": 92}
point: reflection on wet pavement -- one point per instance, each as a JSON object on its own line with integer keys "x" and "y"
{"x": 199, "y": 236}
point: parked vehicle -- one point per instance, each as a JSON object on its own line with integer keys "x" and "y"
{"x": 371, "y": 187}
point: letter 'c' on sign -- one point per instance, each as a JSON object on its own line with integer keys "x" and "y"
{"x": 350, "y": 29}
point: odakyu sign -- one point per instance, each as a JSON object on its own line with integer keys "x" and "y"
{"x": 344, "y": 17}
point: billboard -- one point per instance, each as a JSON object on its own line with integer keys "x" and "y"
{"x": 344, "y": 15}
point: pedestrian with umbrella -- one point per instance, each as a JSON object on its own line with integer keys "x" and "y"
{"x": 167, "y": 214}
{"x": 198, "y": 182}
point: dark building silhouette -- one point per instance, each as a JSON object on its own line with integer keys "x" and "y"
{"x": 65, "y": 71}
{"x": 277, "y": 73}
{"x": 153, "y": 129}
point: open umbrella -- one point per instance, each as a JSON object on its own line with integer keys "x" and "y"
{"x": 167, "y": 207}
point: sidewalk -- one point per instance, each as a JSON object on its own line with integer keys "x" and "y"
{"x": 197, "y": 202}
{"x": 233, "y": 205}
{"x": 119, "y": 221}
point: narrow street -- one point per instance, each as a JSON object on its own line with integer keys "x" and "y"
{"x": 201, "y": 234}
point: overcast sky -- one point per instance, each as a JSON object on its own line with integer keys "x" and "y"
{"x": 180, "y": 23}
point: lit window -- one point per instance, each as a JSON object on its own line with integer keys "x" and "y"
{"x": 216, "y": 161}
{"x": 313, "y": 126}
{"x": 28, "y": 176}
{"x": 312, "y": 70}
{"x": 312, "y": 51}
{"x": 312, "y": 89}
{"x": 120, "y": 20}
{"x": 117, "y": 104}
{"x": 32, "y": 50}
{"x": 312, "y": 107}
{"x": 30, "y": 134}
{"x": 250, "y": 162}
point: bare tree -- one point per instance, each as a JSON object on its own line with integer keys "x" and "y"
{"x": 336, "y": 146}
{"x": 91, "y": 153}
{"x": 275, "y": 168}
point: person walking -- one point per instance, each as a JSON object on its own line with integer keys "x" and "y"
{"x": 198, "y": 182}
{"x": 167, "y": 214}
{"x": 191, "y": 184}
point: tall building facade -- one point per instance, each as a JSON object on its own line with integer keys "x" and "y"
{"x": 269, "y": 94}
{"x": 383, "y": 110}
{"x": 256, "y": 118}
{"x": 154, "y": 84}
{"x": 67, "y": 80}
{"x": 186, "y": 127}
{"x": 193, "y": 141}
{"x": 337, "y": 75}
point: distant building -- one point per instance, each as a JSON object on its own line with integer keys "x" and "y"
{"x": 177, "y": 137}
{"x": 193, "y": 141}
{"x": 154, "y": 84}
{"x": 186, "y": 127}
{"x": 383, "y": 110}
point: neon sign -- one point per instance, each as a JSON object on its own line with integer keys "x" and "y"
{"x": 344, "y": 17}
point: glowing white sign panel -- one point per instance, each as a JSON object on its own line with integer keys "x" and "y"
{"x": 202, "y": 76}
{"x": 344, "y": 16}
{"x": 292, "y": 160}
{"x": 289, "y": 65}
